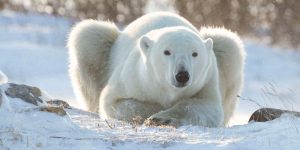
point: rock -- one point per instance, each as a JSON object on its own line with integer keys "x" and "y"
{"x": 267, "y": 114}
{"x": 26, "y": 93}
{"x": 33, "y": 95}
{"x": 57, "y": 110}
{"x": 59, "y": 103}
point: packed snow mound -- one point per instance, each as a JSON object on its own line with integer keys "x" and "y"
{"x": 24, "y": 126}
{"x": 25, "y": 113}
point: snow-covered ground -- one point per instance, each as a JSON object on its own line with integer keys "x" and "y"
{"x": 32, "y": 51}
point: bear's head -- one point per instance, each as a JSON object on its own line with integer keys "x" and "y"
{"x": 176, "y": 55}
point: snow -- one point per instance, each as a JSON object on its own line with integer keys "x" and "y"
{"x": 32, "y": 51}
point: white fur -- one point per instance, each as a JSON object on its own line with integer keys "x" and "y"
{"x": 230, "y": 54}
{"x": 3, "y": 78}
{"x": 89, "y": 46}
{"x": 138, "y": 79}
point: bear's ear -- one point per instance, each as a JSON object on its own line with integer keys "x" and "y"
{"x": 145, "y": 43}
{"x": 209, "y": 43}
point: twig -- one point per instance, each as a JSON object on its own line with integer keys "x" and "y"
{"x": 109, "y": 124}
{"x": 250, "y": 100}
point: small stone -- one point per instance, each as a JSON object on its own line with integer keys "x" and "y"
{"x": 57, "y": 110}
{"x": 59, "y": 103}
{"x": 27, "y": 93}
{"x": 267, "y": 114}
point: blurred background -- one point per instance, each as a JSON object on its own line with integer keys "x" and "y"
{"x": 33, "y": 34}
{"x": 275, "y": 21}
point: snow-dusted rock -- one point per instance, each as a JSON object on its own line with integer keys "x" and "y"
{"x": 57, "y": 110}
{"x": 33, "y": 97}
{"x": 24, "y": 110}
{"x": 26, "y": 93}
{"x": 59, "y": 103}
{"x": 267, "y": 114}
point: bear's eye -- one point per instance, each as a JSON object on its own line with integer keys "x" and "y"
{"x": 195, "y": 54}
{"x": 167, "y": 52}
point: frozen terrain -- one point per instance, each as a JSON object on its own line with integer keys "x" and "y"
{"x": 32, "y": 51}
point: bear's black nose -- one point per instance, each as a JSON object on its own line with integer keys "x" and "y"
{"x": 182, "y": 77}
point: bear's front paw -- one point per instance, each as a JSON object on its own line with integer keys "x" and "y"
{"x": 161, "y": 121}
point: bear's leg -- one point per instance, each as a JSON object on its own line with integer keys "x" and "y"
{"x": 114, "y": 105}
{"x": 131, "y": 109}
{"x": 189, "y": 112}
{"x": 205, "y": 109}
{"x": 230, "y": 54}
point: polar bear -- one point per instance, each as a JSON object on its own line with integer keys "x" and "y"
{"x": 159, "y": 68}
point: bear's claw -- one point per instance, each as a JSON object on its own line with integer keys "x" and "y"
{"x": 155, "y": 121}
